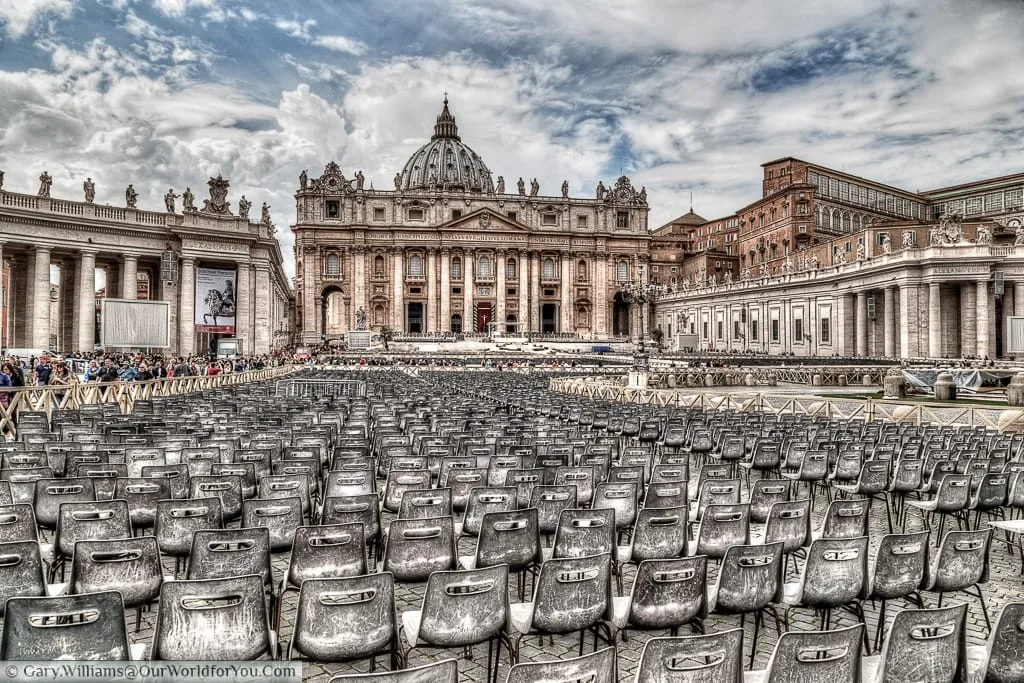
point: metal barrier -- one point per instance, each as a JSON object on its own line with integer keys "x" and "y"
{"x": 46, "y": 399}
{"x": 318, "y": 388}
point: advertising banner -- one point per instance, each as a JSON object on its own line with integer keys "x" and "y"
{"x": 215, "y": 300}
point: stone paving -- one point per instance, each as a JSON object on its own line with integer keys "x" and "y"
{"x": 1005, "y": 585}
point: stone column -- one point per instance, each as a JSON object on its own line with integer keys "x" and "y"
{"x": 934, "y": 320}
{"x": 535, "y": 291}
{"x": 262, "y": 334}
{"x": 130, "y": 278}
{"x": 468, "y": 292}
{"x": 909, "y": 323}
{"x": 890, "y": 322}
{"x": 523, "y": 317}
{"x": 243, "y": 310}
{"x": 187, "y": 308}
{"x": 169, "y": 293}
{"x": 3, "y": 283}
{"x": 41, "y": 299}
{"x": 68, "y": 335}
{"x": 398, "y": 285}
{"x": 969, "y": 319}
{"x": 1018, "y": 298}
{"x": 566, "y": 292}
{"x": 862, "y": 323}
{"x": 984, "y": 310}
{"x": 430, "y": 315}
{"x": 86, "y": 291}
{"x": 446, "y": 290}
{"x": 500, "y": 287}
{"x": 846, "y": 328}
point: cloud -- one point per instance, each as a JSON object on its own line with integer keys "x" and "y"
{"x": 17, "y": 15}
{"x": 341, "y": 44}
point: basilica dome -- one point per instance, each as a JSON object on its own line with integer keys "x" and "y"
{"x": 446, "y": 162}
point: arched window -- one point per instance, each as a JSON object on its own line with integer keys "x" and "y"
{"x": 510, "y": 269}
{"x": 378, "y": 266}
{"x": 456, "y": 323}
{"x": 333, "y": 264}
{"x": 457, "y": 269}
{"x": 621, "y": 271}
{"x": 548, "y": 269}
{"x": 415, "y": 266}
{"x": 581, "y": 271}
{"x": 483, "y": 266}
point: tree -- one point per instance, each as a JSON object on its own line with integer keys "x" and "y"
{"x": 658, "y": 335}
{"x": 386, "y": 335}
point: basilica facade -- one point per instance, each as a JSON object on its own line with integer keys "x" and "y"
{"x": 452, "y": 250}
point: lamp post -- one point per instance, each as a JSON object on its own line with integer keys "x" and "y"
{"x": 642, "y": 293}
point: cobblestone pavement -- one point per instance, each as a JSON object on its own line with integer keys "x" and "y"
{"x": 1005, "y": 585}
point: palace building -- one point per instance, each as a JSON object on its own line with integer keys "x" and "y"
{"x": 451, "y": 250}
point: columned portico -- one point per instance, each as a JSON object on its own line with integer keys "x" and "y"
{"x": 129, "y": 278}
{"x": 186, "y": 310}
{"x": 41, "y": 299}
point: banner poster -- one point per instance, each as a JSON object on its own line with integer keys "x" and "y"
{"x": 215, "y": 300}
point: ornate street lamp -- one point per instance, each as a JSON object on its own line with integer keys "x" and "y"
{"x": 642, "y": 293}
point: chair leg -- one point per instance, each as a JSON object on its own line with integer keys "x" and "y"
{"x": 984, "y": 608}
{"x": 880, "y": 628}
{"x": 753, "y": 644}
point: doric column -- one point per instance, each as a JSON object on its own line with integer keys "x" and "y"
{"x": 523, "y": 316}
{"x": 431, "y": 314}
{"x": 41, "y": 299}
{"x": 566, "y": 291}
{"x": 243, "y": 310}
{"x": 446, "y": 290}
{"x": 187, "y": 307}
{"x": 984, "y": 309}
{"x": 1018, "y": 298}
{"x": 909, "y": 323}
{"x": 398, "y": 285}
{"x": 262, "y": 333}
{"x": 890, "y": 322}
{"x": 468, "y": 319}
{"x": 359, "y": 283}
{"x": 86, "y": 291}
{"x": 862, "y": 323}
{"x": 3, "y": 283}
{"x": 308, "y": 303}
{"x": 130, "y": 278}
{"x": 934, "y": 320}
{"x": 68, "y": 334}
{"x": 535, "y": 291}
{"x": 500, "y": 287}
{"x": 969, "y": 319}
{"x": 602, "y": 293}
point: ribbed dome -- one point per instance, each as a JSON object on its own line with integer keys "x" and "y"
{"x": 446, "y": 161}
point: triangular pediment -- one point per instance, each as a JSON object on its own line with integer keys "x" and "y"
{"x": 485, "y": 220}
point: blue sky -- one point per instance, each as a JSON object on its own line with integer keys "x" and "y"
{"x": 682, "y": 95}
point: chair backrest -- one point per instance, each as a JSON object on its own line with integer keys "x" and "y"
{"x": 710, "y": 658}
{"x": 572, "y": 593}
{"x": 962, "y": 561}
{"x": 953, "y": 493}
{"x": 18, "y": 523}
{"x": 362, "y": 509}
{"x": 1005, "y": 646}
{"x": 511, "y": 537}
{"x": 669, "y": 593}
{"x": 901, "y": 565}
{"x": 130, "y": 566}
{"x": 826, "y": 656}
{"x": 583, "y": 532}
{"x": 349, "y": 482}
{"x": 908, "y": 475}
{"x": 549, "y": 502}
{"x": 444, "y": 671}
{"x": 286, "y": 486}
{"x": 177, "y": 520}
{"x": 659, "y": 533}
{"x": 836, "y": 572}
{"x": 223, "y": 553}
{"x": 621, "y": 497}
{"x": 423, "y": 503}
{"x": 455, "y": 599}
{"x": 281, "y": 516}
{"x": 846, "y": 519}
{"x": 142, "y": 494}
{"x": 926, "y": 645}
{"x": 21, "y": 571}
{"x": 722, "y": 527}
{"x": 100, "y": 520}
{"x": 418, "y": 547}
{"x": 86, "y": 626}
{"x": 717, "y": 492}
{"x": 334, "y": 550}
{"x": 227, "y": 487}
{"x": 223, "y": 618}
{"x": 344, "y": 618}
{"x": 764, "y": 493}
{"x": 596, "y": 667}
{"x": 484, "y": 499}
{"x": 789, "y": 522}
{"x": 51, "y": 493}
{"x": 749, "y": 578}
{"x": 581, "y": 477}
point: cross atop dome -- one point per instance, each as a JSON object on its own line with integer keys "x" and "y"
{"x": 445, "y": 126}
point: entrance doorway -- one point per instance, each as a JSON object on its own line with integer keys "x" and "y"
{"x": 549, "y": 318}
{"x": 457, "y": 324}
{"x": 620, "y": 316}
{"x": 484, "y": 315}
{"x": 414, "y": 317}
{"x": 511, "y": 324}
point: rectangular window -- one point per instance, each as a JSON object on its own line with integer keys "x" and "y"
{"x": 581, "y": 221}
{"x": 1013, "y": 198}
{"x": 456, "y": 213}
{"x": 826, "y": 331}
{"x": 622, "y": 219}
{"x": 415, "y": 214}
{"x": 737, "y": 330}
{"x": 704, "y": 329}
{"x": 775, "y": 330}
{"x": 720, "y": 329}
{"x": 549, "y": 219}
{"x": 798, "y": 330}
{"x": 753, "y": 330}
{"x": 332, "y": 209}
{"x": 512, "y": 215}
{"x": 378, "y": 214}
{"x": 993, "y": 202}
{"x": 511, "y": 291}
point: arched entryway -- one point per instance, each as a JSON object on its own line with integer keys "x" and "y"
{"x": 620, "y": 316}
{"x": 333, "y": 312}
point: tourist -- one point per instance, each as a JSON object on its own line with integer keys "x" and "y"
{"x": 92, "y": 373}
{"x": 5, "y": 383}
{"x": 42, "y": 371}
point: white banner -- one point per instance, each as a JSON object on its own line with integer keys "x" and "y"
{"x": 215, "y": 300}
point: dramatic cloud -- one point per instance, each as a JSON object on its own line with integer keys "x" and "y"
{"x": 683, "y": 97}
